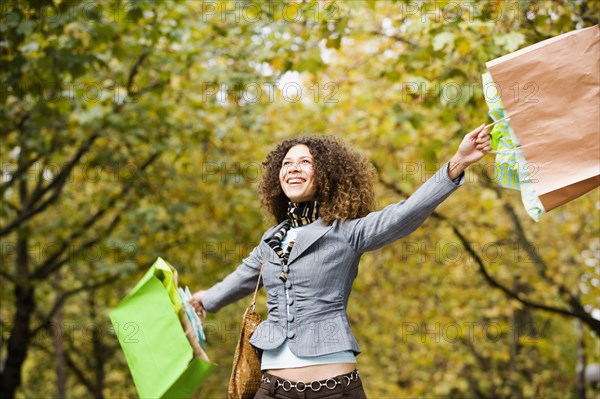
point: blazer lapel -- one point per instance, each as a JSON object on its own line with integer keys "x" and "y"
{"x": 269, "y": 234}
{"x": 306, "y": 238}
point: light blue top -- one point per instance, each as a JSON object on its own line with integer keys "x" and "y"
{"x": 283, "y": 357}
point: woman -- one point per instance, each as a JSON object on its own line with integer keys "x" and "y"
{"x": 320, "y": 193}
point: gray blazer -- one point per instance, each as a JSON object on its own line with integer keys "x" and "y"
{"x": 322, "y": 267}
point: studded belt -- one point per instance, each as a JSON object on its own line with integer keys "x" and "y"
{"x": 301, "y": 386}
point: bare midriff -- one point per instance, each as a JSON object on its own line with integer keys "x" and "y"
{"x": 315, "y": 372}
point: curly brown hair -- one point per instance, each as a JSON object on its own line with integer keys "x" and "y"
{"x": 344, "y": 179}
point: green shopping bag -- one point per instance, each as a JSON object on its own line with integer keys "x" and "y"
{"x": 511, "y": 168}
{"x": 147, "y": 324}
{"x": 504, "y": 141}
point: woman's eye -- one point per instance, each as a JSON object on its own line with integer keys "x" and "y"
{"x": 306, "y": 161}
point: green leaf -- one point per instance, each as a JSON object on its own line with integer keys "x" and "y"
{"x": 25, "y": 27}
{"x": 442, "y": 39}
{"x": 511, "y": 41}
{"x": 334, "y": 42}
{"x": 30, "y": 47}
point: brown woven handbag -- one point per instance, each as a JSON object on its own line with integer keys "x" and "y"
{"x": 246, "y": 374}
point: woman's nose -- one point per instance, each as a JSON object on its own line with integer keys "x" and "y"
{"x": 293, "y": 167}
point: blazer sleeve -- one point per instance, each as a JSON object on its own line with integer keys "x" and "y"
{"x": 398, "y": 220}
{"x": 240, "y": 283}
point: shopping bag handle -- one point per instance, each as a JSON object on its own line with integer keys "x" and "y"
{"x": 499, "y": 120}
{"x": 253, "y": 304}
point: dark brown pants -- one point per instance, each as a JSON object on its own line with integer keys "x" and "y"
{"x": 276, "y": 389}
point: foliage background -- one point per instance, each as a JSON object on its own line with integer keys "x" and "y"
{"x": 132, "y": 130}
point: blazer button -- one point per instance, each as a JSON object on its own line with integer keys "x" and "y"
{"x": 288, "y": 284}
{"x": 291, "y": 334}
{"x": 290, "y": 318}
{"x": 290, "y": 300}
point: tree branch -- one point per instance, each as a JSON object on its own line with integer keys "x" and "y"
{"x": 58, "y": 183}
{"x": 395, "y": 37}
{"x": 542, "y": 267}
{"x": 68, "y": 360}
{"x": 82, "y": 378}
{"x": 62, "y": 297}
{"x": 585, "y": 317}
{"x": 54, "y": 266}
{"x": 135, "y": 69}
{"x": 54, "y": 261}
{"x": 150, "y": 87}
{"x": 18, "y": 173}
{"x": 8, "y": 276}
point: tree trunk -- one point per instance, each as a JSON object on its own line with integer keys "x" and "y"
{"x": 59, "y": 346}
{"x": 522, "y": 324}
{"x": 98, "y": 349}
{"x": 20, "y": 335}
{"x": 18, "y": 341}
{"x": 580, "y": 362}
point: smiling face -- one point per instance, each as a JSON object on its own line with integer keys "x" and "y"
{"x": 297, "y": 174}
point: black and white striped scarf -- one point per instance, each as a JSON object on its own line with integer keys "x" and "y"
{"x": 298, "y": 214}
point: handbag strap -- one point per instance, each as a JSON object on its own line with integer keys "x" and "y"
{"x": 253, "y": 304}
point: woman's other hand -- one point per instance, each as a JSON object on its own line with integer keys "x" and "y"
{"x": 196, "y": 302}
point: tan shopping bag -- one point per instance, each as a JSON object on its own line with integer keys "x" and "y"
{"x": 551, "y": 91}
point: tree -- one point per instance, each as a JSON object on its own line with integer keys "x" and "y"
{"x": 135, "y": 129}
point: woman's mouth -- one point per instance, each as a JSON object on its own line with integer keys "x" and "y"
{"x": 295, "y": 181}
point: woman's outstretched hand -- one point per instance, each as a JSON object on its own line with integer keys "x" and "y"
{"x": 474, "y": 146}
{"x": 196, "y": 302}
